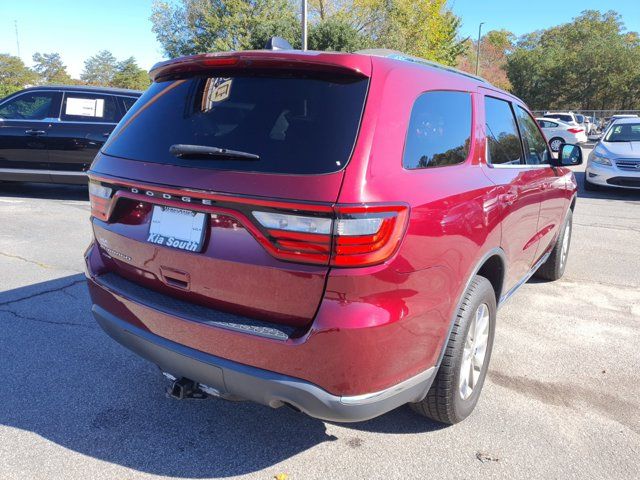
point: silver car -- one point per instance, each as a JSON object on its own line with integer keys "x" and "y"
{"x": 615, "y": 160}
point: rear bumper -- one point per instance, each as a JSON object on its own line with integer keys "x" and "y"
{"x": 258, "y": 385}
{"x": 581, "y": 138}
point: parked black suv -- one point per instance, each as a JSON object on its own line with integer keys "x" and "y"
{"x": 52, "y": 133}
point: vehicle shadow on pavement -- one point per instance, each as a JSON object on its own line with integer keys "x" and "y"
{"x": 44, "y": 190}
{"x": 66, "y": 381}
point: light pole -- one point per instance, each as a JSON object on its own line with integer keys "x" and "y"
{"x": 478, "y": 54}
{"x": 304, "y": 24}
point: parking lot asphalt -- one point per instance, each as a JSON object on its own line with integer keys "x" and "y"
{"x": 561, "y": 401}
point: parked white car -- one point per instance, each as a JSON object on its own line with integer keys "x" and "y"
{"x": 566, "y": 117}
{"x": 558, "y": 132}
{"x": 615, "y": 160}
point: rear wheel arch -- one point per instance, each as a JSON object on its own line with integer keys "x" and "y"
{"x": 492, "y": 263}
{"x": 493, "y": 269}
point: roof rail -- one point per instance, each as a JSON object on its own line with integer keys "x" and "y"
{"x": 397, "y": 55}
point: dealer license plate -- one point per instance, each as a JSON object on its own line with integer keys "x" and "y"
{"x": 177, "y": 228}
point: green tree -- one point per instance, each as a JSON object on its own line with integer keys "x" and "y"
{"x": 424, "y": 28}
{"x": 197, "y": 26}
{"x": 50, "y": 68}
{"x": 495, "y": 48}
{"x": 130, "y": 75}
{"x": 100, "y": 69}
{"x": 337, "y": 34}
{"x": 589, "y": 63}
{"x": 14, "y": 74}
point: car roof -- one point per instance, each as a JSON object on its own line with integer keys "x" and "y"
{"x": 86, "y": 88}
{"x": 625, "y": 120}
{"x": 403, "y": 57}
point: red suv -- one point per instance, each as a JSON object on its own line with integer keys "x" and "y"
{"x": 331, "y": 232}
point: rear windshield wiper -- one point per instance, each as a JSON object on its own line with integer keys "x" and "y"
{"x": 203, "y": 151}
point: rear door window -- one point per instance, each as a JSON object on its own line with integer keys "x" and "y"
{"x": 439, "y": 130}
{"x": 503, "y": 140}
{"x": 294, "y": 124}
{"x": 89, "y": 107}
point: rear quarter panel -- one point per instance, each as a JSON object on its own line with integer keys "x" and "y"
{"x": 454, "y": 221}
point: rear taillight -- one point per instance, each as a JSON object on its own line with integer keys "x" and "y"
{"x": 355, "y": 236}
{"x": 100, "y": 197}
{"x": 575, "y": 130}
{"x": 367, "y": 235}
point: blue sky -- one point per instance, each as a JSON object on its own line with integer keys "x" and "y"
{"x": 78, "y": 29}
{"x": 523, "y": 16}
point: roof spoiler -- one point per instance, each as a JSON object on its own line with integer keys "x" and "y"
{"x": 337, "y": 63}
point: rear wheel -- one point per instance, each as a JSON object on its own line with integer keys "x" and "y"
{"x": 456, "y": 388}
{"x": 553, "y": 268}
{"x": 556, "y": 144}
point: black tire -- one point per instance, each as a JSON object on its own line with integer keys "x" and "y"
{"x": 588, "y": 186}
{"x": 555, "y": 150}
{"x": 553, "y": 268}
{"x": 444, "y": 402}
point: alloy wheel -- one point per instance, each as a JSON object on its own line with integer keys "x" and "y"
{"x": 475, "y": 351}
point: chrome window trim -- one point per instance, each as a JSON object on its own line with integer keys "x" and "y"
{"x": 56, "y": 121}
{"x": 519, "y": 167}
{"x": 43, "y": 171}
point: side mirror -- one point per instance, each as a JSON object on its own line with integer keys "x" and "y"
{"x": 569, "y": 156}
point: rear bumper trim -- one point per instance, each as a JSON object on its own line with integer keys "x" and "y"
{"x": 29, "y": 171}
{"x": 258, "y": 385}
{"x": 191, "y": 311}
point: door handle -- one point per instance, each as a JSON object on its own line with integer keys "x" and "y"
{"x": 106, "y": 134}
{"x": 35, "y": 132}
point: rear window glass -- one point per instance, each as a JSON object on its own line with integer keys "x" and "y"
{"x": 296, "y": 125}
{"x": 564, "y": 118}
{"x": 439, "y": 130}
